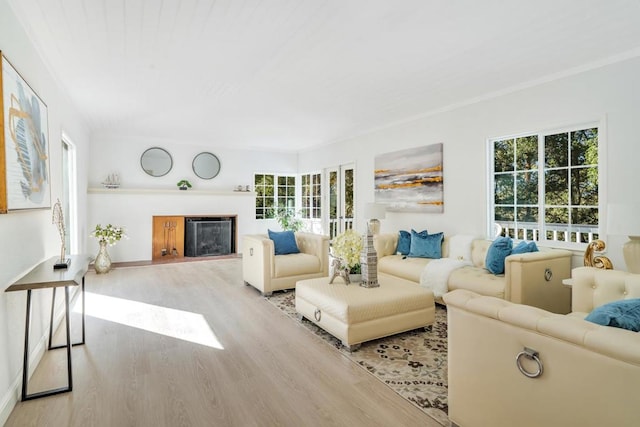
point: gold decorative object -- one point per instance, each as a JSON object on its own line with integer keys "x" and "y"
{"x": 57, "y": 218}
{"x": 598, "y": 261}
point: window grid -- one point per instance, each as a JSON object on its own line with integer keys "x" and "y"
{"x": 563, "y": 204}
{"x": 274, "y": 192}
{"x": 311, "y": 196}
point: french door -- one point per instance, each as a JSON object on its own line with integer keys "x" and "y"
{"x": 69, "y": 197}
{"x": 340, "y": 198}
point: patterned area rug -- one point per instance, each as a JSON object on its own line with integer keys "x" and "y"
{"x": 413, "y": 364}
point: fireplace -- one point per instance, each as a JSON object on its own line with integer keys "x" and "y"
{"x": 209, "y": 236}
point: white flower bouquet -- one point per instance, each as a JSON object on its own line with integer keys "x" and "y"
{"x": 109, "y": 234}
{"x": 347, "y": 247}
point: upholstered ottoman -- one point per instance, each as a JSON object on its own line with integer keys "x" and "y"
{"x": 354, "y": 314}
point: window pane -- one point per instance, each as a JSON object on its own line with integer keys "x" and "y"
{"x": 584, "y": 186}
{"x": 503, "y": 155}
{"x": 527, "y": 153}
{"x": 556, "y": 218}
{"x": 269, "y": 191}
{"x": 527, "y": 188}
{"x": 504, "y": 189}
{"x": 556, "y": 150}
{"x": 527, "y": 214}
{"x": 503, "y": 213}
{"x": 269, "y": 180}
{"x": 291, "y": 180}
{"x": 585, "y": 216}
{"x": 259, "y": 180}
{"x": 557, "y": 187}
{"x": 584, "y": 147}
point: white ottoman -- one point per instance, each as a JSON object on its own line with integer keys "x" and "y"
{"x": 355, "y": 314}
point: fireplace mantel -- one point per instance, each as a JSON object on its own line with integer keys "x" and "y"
{"x": 173, "y": 191}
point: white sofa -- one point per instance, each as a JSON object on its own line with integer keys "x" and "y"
{"x": 525, "y": 281}
{"x": 268, "y": 272}
{"x": 590, "y": 373}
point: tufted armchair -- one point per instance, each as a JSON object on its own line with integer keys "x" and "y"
{"x": 588, "y": 373}
{"x": 268, "y": 272}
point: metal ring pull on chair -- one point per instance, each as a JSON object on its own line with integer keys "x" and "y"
{"x": 531, "y": 355}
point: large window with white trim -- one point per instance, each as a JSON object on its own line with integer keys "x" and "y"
{"x": 274, "y": 192}
{"x": 544, "y": 186}
{"x": 311, "y": 196}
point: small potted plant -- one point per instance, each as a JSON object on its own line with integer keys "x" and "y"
{"x": 184, "y": 184}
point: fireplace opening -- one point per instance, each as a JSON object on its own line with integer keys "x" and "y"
{"x": 209, "y": 236}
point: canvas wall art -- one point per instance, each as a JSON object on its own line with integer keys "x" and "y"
{"x": 410, "y": 180}
{"x": 24, "y": 145}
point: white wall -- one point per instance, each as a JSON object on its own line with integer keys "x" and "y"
{"x": 609, "y": 95}
{"x": 29, "y": 237}
{"x": 121, "y": 155}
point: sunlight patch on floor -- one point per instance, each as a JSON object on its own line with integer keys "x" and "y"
{"x": 174, "y": 323}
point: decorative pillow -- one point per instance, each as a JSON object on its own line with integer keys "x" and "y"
{"x": 498, "y": 251}
{"x": 404, "y": 242}
{"x": 460, "y": 246}
{"x": 525, "y": 247}
{"x": 284, "y": 242}
{"x": 623, "y": 314}
{"x": 429, "y": 246}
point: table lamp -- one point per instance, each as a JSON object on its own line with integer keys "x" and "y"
{"x": 374, "y": 212}
{"x": 624, "y": 219}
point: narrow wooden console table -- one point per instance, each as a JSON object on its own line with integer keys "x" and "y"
{"x": 44, "y": 276}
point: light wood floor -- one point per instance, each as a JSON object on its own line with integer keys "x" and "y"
{"x": 271, "y": 372}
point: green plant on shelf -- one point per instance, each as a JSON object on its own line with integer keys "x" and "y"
{"x": 184, "y": 184}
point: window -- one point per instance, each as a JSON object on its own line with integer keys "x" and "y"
{"x": 545, "y": 186}
{"x": 311, "y": 196}
{"x": 274, "y": 192}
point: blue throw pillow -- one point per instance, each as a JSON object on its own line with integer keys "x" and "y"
{"x": 404, "y": 241}
{"x": 429, "y": 246}
{"x": 623, "y": 314}
{"x": 284, "y": 242}
{"x": 498, "y": 251}
{"x": 525, "y": 247}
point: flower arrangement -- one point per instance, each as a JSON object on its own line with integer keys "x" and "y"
{"x": 347, "y": 247}
{"x": 109, "y": 234}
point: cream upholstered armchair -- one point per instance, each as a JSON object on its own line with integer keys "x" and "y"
{"x": 268, "y": 272}
{"x": 588, "y": 373}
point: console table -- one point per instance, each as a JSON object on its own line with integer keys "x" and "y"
{"x": 44, "y": 276}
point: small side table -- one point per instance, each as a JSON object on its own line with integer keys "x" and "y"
{"x": 44, "y": 276}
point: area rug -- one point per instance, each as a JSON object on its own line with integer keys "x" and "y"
{"x": 413, "y": 364}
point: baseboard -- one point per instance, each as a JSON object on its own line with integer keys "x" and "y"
{"x": 13, "y": 395}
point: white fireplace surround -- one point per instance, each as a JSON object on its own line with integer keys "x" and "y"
{"x": 135, "y": 208}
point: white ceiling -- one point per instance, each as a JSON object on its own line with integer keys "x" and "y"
{"x": 293, "y": 74}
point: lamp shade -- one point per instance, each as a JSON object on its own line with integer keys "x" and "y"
{"x": 375, "y": 211}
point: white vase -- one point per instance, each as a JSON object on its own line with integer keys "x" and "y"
{"x": 102, "y": 264}
{"x": 355, "y": 277}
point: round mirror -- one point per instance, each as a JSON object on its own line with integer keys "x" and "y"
{"x": 156, "y": 161}
{"x": 206, "y": 165}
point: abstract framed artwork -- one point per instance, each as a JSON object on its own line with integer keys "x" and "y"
{"x": 24, "y": 144}
{"x": 410, "y": 180}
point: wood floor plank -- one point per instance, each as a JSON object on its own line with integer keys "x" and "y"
{"x": 271, "y": 371}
